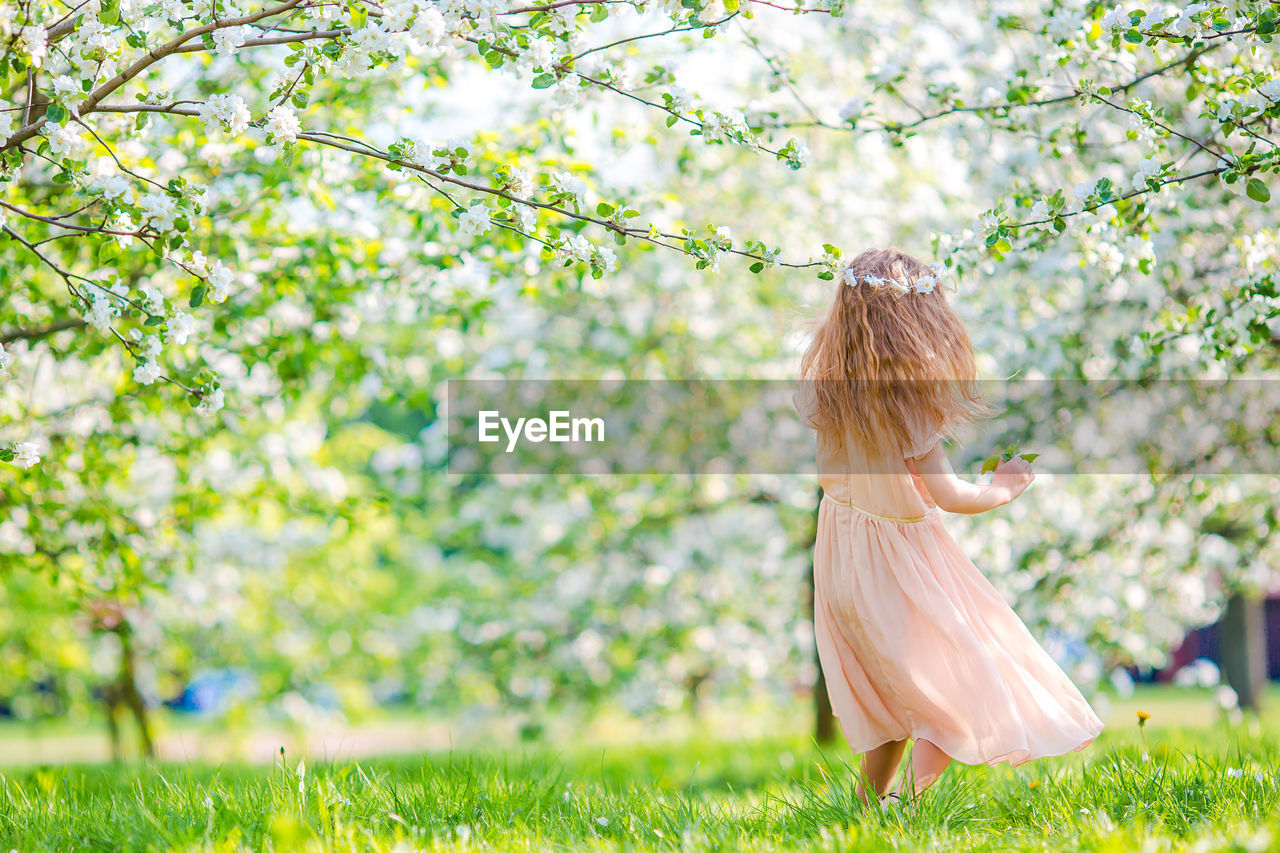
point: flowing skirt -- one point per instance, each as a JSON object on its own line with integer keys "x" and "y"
{"x": 916, "y": 643}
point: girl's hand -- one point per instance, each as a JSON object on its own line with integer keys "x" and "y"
{"x": 1013, "y": 476}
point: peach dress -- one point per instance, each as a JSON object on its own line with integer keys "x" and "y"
{"x": 913, "y": 640}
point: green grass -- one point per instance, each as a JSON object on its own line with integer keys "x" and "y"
{"x": 703, "y": 790}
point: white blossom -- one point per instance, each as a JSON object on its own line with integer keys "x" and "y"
{"x": 567, "y": 93}
{"x": 159, "y": 209}
{"x": 526, "y": 218}
{"x": 606, "y": 258}
{"x": 26, "y": 454}
{"x": 577, "y": 248}
{"x": 211, "y": 402}
{"x": 179, "y": 328}
{"x": 6, "y": 359}
{"x": 113, "y": 188}
{"x": 282, "y": 124}
{"x": 101, "y": 309}
{"x": 227, "y": 112}
{"x": 474, "y": 221}
{"x": 428, "y": 27}
{"x": 853, "y": 109}
{"x": 520, "y": 182}
{"x": 1116, "y": 19}
{"x": 540, "y": 55}
{"x": 34, "y": 42}
{"x": 64, "y": 140}
{"x": 220, "y": 281}
{"x": 1150, "y": 167}
{"x": 571, "y": 184}
{"x": 147, "y": 372}
{"x": 681, "y": 100}
{"x": 152, "y": 299}
{"x": 226, "y": 39}
{"x": 67, "y": 91}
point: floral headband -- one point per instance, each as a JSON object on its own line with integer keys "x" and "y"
{"x": 922, "y": 284}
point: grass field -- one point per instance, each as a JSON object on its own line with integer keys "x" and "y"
{"x": 1205, "y": 786}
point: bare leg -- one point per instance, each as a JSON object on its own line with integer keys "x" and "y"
{"x": 927, "y": 764}
{"x": 878, "y": 767}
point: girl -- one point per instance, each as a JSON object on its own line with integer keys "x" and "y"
{"x": 914, "y": 641}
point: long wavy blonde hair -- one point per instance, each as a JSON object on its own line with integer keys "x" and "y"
{"x": 888, "y": 367}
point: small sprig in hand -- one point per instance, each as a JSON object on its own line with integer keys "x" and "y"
{"x": 1012, "y": 473}
{"x": 1004, "y": 456}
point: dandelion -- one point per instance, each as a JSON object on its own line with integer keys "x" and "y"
{"x": 1143, "y": 716}
{"x": 1234, "y": 772}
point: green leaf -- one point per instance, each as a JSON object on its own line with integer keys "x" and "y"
{"x": 604, "y": 208}
{"x": 197, "y": 296}
{"x": 1031, "y": 457}
{"x": 990, "y": 464}
{"x": 757, "y": 267}
{"x": 56, "y": 113}
{"x": 1257, "y": 191}
{"x": 300, "y": 99}
{"x": 544, "y": 81}
{"x": 6, "y": 454}
{"x": 359, "y": 15}
{"x": 153, "y": 320}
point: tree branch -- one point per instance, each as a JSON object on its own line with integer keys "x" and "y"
{"x": 151, "y": 58}
{"x": 38, "y": 332}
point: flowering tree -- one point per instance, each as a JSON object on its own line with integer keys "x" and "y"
{"x": 276, "y": 215}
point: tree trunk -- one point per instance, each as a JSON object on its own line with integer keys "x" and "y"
{"x": 824, "y": 720}
{"x": 129, "y": 693}
{"x": 1244, "y": 649}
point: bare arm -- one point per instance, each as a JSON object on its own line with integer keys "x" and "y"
{"x": 953, "y": 494}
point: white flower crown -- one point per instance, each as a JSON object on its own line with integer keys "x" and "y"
{"x": 922, "y": 284}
